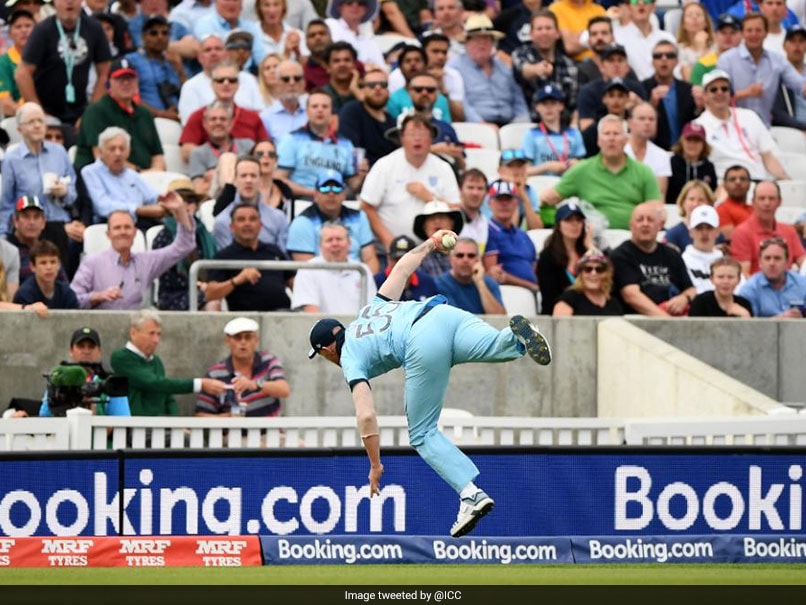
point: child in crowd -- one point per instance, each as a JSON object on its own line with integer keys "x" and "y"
{"x": 44, "y": 286}
{"x": 702, "y": 251}
{"x": 721, "y": 301}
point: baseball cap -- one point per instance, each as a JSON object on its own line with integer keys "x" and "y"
{"x": 11, "y": 3}
{"x": 322, "y": 334}
{"x": 509, "y": 156}
{"x": 567, "y": 210}
{"x": 704, "y": 215}
{"x": 241, "y": 324}
{"x": 795, "y": 30}
{"x": 613, "y": 49}
{"x": 28, "y": 201}
{"x": 330, "y": 176}
{"x": 693, "y": 131}
{"x": 593, "y": 255}
{"x": 154, "y": 20}
{"x": 400, "y": 245}
{"x": 713, "y": 76}
{"x": 501, "y": 188}
{"x": 121, "y": 67}
{"x": 239, "y": 38}
{"x": 85, "y": 334}
{"x": 727, "y": 20}
{"x": 549, "y": 91}
{"x": 614, "y": 83}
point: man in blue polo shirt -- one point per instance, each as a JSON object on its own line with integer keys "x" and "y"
{"x": 328, "y": 206}
{"x": 510, "y": 256}
{"x": 466, "y": 286}
{"x": 305, "y": 153}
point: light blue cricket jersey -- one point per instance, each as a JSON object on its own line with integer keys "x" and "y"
{"x": 376, "y": 341}
{"x": 305, "y": 156}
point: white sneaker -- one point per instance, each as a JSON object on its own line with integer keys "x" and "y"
{"x": 471, "y": 510}
{"x": 536, "y": 344}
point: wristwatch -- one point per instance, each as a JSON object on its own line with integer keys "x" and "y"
{"x": 260, "y": 382}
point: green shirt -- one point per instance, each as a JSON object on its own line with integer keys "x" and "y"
{"x": 613, "y": 194}
{"x": 150, "y": 392}
{"x": 8, "y": 65}
{"x": 106, "y": 112}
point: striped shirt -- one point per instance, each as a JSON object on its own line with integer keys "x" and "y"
{"x": 265, "y": 366}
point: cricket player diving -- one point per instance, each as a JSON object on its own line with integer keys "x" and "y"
{"x": 427, "y": 338}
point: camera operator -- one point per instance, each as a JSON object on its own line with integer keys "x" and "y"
{"x": 85, "y": 349}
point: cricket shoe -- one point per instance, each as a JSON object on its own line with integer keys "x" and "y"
{"x": 536, "y": 344}
{"x": 471, "y": 510}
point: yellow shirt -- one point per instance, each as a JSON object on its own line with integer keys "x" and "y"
{"x": 574, "y": 18}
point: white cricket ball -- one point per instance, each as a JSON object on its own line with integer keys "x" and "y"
{"x": 448, "y": 241}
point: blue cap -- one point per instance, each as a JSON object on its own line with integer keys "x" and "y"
{"x": 322, "y": 334}
{"x": 549, "y": 91}
{"x": 567, "y": 210}
{"x": 330, "y": 176}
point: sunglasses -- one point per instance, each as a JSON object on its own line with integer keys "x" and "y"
{"x": 330, "y": 189}
{"x": 738, "y": 179}
{"x": 227, "y": 80}
{"x": 719, "y": 89}
{"x": 465, "y": 254}
{"x": 422, "y": 89}
{"x": 509, "y": 155}
{"x": 158, "y": 32}
{"x": 669, "y": 55}
{"x": 375, "y": 85}
{"x": 350, "y": 2}
{"x": 594, "y": 269}
{"x": 288, "y": 79}
{"x": 271, "y": 154}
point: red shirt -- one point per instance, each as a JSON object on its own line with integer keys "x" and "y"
{"x": 733, "y": 212}
{"x": 747, "y": 237}
{"x": 246, "y": 124}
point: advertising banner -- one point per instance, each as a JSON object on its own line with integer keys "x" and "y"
{"x": 540, "y": 492}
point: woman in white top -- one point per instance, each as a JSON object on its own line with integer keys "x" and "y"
{"x": 695, "y": 38}
{"x": 277, "y": 35}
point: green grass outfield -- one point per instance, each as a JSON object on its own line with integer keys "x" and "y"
{"x": 378, "y": 575}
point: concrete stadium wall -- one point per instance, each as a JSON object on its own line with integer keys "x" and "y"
{"x": 748, "y": 350}
{"x": 643, "y": 376}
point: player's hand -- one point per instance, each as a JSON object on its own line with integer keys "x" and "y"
{"x": 437, "y": 238}
{"x": 375, "y": 473}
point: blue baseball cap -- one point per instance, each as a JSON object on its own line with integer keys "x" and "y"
{"x": 567, "y": 210}
{"x": 330, "y": 176}
{"x": 549, "y": 91}
{"x": 322, "y": 334}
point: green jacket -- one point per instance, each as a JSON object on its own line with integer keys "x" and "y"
{"x": 150, "y": 392}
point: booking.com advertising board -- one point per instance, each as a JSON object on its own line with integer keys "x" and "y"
{"x": 570, "y": 505}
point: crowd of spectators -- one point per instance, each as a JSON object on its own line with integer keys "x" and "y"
{"x": 311, "y": 139}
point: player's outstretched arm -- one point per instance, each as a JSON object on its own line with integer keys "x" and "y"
{"x": 394, "y": 285}
{"x": 367, "y": 422}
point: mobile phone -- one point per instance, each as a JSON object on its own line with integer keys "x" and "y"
{"x": 799, "y": 305}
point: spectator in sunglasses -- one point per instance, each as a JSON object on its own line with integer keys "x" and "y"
{"x": 466, "y": 285}
{"x": 287, "y": 113}
{"x": 227, "y": 17}
{"x": 328, "y": 207}
{"x": 590, "y": 294}
{"x": 420, "y": 285}
{"x": 246, "y": 123}
{"x": 366, "y": 121}
{"x": 412, "y": 63}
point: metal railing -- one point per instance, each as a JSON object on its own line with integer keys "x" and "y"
{"x": 271, "y": 265}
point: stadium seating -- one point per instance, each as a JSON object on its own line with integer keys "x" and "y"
{"x": 538, "y": 237}
{"x": 794, "y": 164}
{"x": 95, "y": 240}
{"x": 789, "y": 214}
{"x": 173, "y": 160}
{"x": 518, "y": 300}
{"x": 10, "y": 126}
{"x": 485, "y": 160}
{"x": 510, "y": 136}
{"x": 790, "y": 140}
{"x": 614, "y": 237}
{"x": 793, "y": 193}
{"x": 542, "y": 181}
{"x": 473, "y": 133}
{"x": 159, "y": 180}
{"x": 672, "y": 216}
{"x": 205, "y": 214}
{"x": 168, "y": 131}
